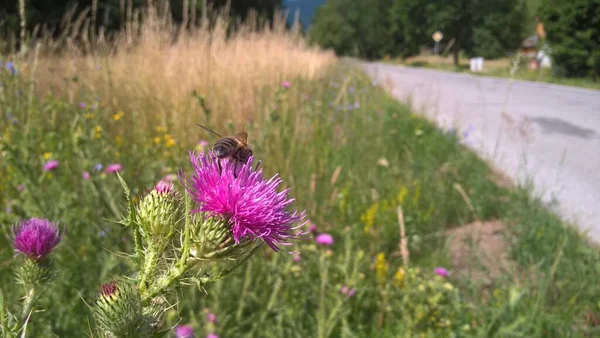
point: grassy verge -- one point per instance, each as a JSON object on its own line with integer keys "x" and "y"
{"x": 351, "y": 155}
{"x": 497, "y": 68}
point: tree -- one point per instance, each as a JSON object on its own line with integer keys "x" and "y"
{"x": 484, "y": 27}
{"x": 354, "y": 27}
{"x": 573, "y": 32}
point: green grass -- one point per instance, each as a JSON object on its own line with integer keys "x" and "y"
{"x": 306, "y": 134}
{"x": 503, "y": 71}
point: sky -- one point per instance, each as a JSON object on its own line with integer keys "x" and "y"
{"x": 306, "y": 8}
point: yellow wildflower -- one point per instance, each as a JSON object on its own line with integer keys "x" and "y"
{"x": 89, "y": 116}
{"x": 448, "y": 286}
{"x": 169, "y": 141}
{"x": 118, "y": 116}
{"x": 402, "y": 195}
{"x": 381, "y": 267}
{"x": 368, "y": 218}
{"x": 399, "y": 277}
{"x": 156, "y": 140}
{"x": 97, "y": 131}
{"x": 47, "y": 156}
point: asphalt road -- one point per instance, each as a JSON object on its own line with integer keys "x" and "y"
{"x": 545, "y": 133}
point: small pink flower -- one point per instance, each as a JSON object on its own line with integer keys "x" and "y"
{"x": 20, "y": 187}
{"x": 324, "y": 239}
{"x": 296, "y": 258}
{"x": 184, "y": 331}
{"x": 212, "y": 335}
{"x": 211, "y": 317}
{"x": 51, "y": 165}
{"x": 286, "y": 84}
{"x": 441, "y": 272}
{"x": 112, "y": 168}
{"x": 312, "y": 227}
{"x": 86, "y": 175}
{"x": 203, "y": 144}
{"x": 347, "y": 291}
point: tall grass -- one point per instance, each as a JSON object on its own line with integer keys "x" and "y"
{"x": 152, "y": 68}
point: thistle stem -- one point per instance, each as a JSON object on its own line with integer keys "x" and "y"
{"x": 149, "y": 264}
{"x": 30, "y": 298}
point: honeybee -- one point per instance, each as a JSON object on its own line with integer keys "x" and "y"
{"x": 233, "y": 147}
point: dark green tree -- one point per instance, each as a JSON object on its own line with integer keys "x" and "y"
{"x": 486, "y": 28}
{"x": 354, "y": 27}
{"x": 573, "y": 33}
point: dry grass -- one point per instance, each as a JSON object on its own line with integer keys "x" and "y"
{"x": 156, "y": 72}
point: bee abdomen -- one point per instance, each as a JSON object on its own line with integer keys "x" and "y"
{"x": 224, "y": 147}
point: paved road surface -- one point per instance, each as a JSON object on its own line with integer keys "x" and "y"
{"x": 544, "y": 132}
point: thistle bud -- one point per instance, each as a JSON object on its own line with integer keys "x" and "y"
{"x": 159, "y": 212}
{"x": 118, "y": 309}
{"x": 33, "y": 272}
{"x": 214, "y": 240}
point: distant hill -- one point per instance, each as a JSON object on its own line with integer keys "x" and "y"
{"x": 305, "y": 7}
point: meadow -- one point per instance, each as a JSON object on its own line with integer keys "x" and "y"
{"x": 399, "y": 197}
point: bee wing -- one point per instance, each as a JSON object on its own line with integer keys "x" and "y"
{"x": 243, "y": 136}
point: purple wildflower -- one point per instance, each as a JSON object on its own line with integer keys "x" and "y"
{"x": 98, "y": 167}
{"x": 20, "y": 187}
{"x": 51, "y": 165}
{"x": 211, "y": 317}
{"x": 324, "y": 239}
{"x": 212, "y": 335}
{"x": 240, "y": 194}
{"x": 297, "y": 258}
{"x": 184, "y": 331}
{"x": 112, "y": 168}
{"x": 441, "y": 272}
{"x": 11, "y": 67}
{"x": 286, "y": 84}
{"x": 35, "y": 238}
{"x": 85, "y": 175}
{"x": 81, "y": 105}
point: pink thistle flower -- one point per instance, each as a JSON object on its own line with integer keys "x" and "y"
{"x": 441, "y": 272}
{"x": 350, "y": 292}
{"x": 51, "y": 165}
{"x": 184, "y": 331}
{"x": 86, "y": 175}
{"x": 297, "y": 258}
{"x": 344, "y": 290}
{"x": 212, "y": 335}
{"x": 286, "y": 84}
{"x": 240, "y": 194}
{"x": 109, "y": 289}
{"x": 324, "y": 239}
{"x": 211, "y": 317}
{"x": 36, "y": 238}
{"x": 163, "y": 187}
{"x": 113, "y": 168}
